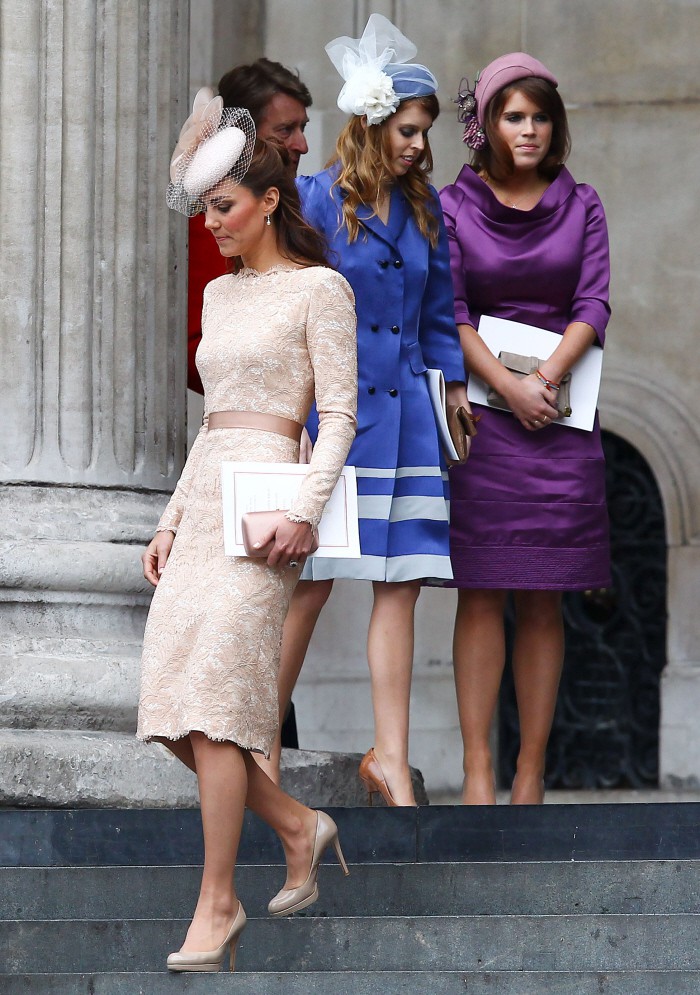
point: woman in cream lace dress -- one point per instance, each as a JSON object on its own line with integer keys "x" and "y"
{"x": 277, "y": 334}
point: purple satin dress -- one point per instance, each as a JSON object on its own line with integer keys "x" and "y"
{"x": 528, "y": 508}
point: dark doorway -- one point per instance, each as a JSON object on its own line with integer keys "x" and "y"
{"x": 606, "y": 729}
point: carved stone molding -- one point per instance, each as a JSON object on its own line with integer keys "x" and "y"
{"x": 650, "y": 415}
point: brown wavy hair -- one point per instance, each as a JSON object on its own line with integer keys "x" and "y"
{"x": 496, "y": 159}
{"x": 296, "y": 239}
{"x": 363, "y": 153}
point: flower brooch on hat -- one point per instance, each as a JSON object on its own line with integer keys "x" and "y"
{"x": 376, "y": 70}
{"x": 215, "y": 143}
{"x": 474, "y": 135}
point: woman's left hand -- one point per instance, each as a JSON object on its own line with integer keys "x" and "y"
{"x": 456, "y": 393}
{"x": 156, "y": 555}
{"x": 293, "y": 541}
{"x": 531, "y": 402}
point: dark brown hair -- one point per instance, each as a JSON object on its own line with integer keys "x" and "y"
{"x": 254, "y": 86}
{"x": 496, "y": 158}
{"x": 296, "y": 240}
{"x": 363, "y": 153}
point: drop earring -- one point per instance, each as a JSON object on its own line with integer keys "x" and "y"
{"x": 268, "y": 219}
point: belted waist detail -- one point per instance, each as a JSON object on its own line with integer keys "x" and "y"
{"x": 256, "y": 420}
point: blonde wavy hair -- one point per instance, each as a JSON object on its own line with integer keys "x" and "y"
{"x": 363, "y": 153}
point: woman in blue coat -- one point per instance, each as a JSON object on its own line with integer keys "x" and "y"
{"x": 384, "y": 226}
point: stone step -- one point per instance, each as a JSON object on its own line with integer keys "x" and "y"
{"x": 547, "y": 888}
{"x": 89, "y": 837}
{"x": 301, "y": 944}
{"x": 362, "y": 983}
{"x": 109, "y": 767}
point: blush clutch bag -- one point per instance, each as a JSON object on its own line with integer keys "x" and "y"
{"x": 256, "y": 525}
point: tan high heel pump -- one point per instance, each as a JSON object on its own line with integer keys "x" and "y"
{"x": 372, "y": 777}
{"x": 290, "y": 900}
{"x": 209, "y": 961}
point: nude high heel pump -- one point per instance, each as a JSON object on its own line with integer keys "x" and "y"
{"x": 372, "y": 777}
{"x": 210, "y": 961}
{"x": 290, "y": 900}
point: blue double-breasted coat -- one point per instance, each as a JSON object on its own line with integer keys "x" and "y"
{"x": 405, "y": 323}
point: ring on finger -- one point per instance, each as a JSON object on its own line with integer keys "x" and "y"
{"x": 294, "y": 563}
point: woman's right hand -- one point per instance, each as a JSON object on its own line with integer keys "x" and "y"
{"x": 292, "y": 543}
{"x": 531, "y": 402}
{"x": 156, "y": 556}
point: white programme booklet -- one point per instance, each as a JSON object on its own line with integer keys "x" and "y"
{"x": 501, "y": 335}
{"x": 438, "y": 399}
{"x": 250, "y": 486}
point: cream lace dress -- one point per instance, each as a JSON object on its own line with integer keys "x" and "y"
{"x": 271, "y": 341}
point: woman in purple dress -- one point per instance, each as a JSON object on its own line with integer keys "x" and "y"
{"x": 528, "y": 511}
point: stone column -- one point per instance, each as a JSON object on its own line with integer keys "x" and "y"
{"x": 92, "y": 396}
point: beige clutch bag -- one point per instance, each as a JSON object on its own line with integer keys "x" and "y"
{"x": 256, "y": 525}
{"x": 522, "y": 366}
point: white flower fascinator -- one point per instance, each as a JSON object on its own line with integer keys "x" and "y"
{"x": 376, "y": 70}
{"x": 215, "y": 144}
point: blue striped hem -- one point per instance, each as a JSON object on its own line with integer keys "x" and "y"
{"x": 392, "y": 569}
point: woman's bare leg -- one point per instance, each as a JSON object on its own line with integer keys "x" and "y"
{"x": 390, "y": 656}
{"x": 223, "y": 783}
{"x": 538, "y": 656}
{"x": 479, "y": 659}
{"x": 308, "y": 600}
{"x": 182, "y": 749}
{"x": 294, "y": 823}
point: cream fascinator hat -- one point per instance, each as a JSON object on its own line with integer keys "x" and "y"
{"x": 215, "y": 144}
{"x": 376, "y": 70}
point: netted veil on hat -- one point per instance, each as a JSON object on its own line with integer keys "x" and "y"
{"x": 215, "y": 144}
{"x": 376, "y": 70}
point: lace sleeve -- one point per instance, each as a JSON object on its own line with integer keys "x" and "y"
{"x": 170, "y": 519}
{"x": 332, "y": 344}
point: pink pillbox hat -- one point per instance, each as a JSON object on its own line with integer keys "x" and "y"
{"x": 503, "y": 71}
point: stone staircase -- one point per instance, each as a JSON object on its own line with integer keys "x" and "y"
{"x": 562, "y": 899}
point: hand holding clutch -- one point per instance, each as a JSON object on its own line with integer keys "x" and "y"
{"x": 257, "y": 527}
{"x": 461, "y": 425}
{"x": 523, "y": 366}
{"x": 454, "y": 422}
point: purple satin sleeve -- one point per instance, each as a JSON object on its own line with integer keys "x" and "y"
{"x": 451, "y": 198}
{"x": 590, "y": 301}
